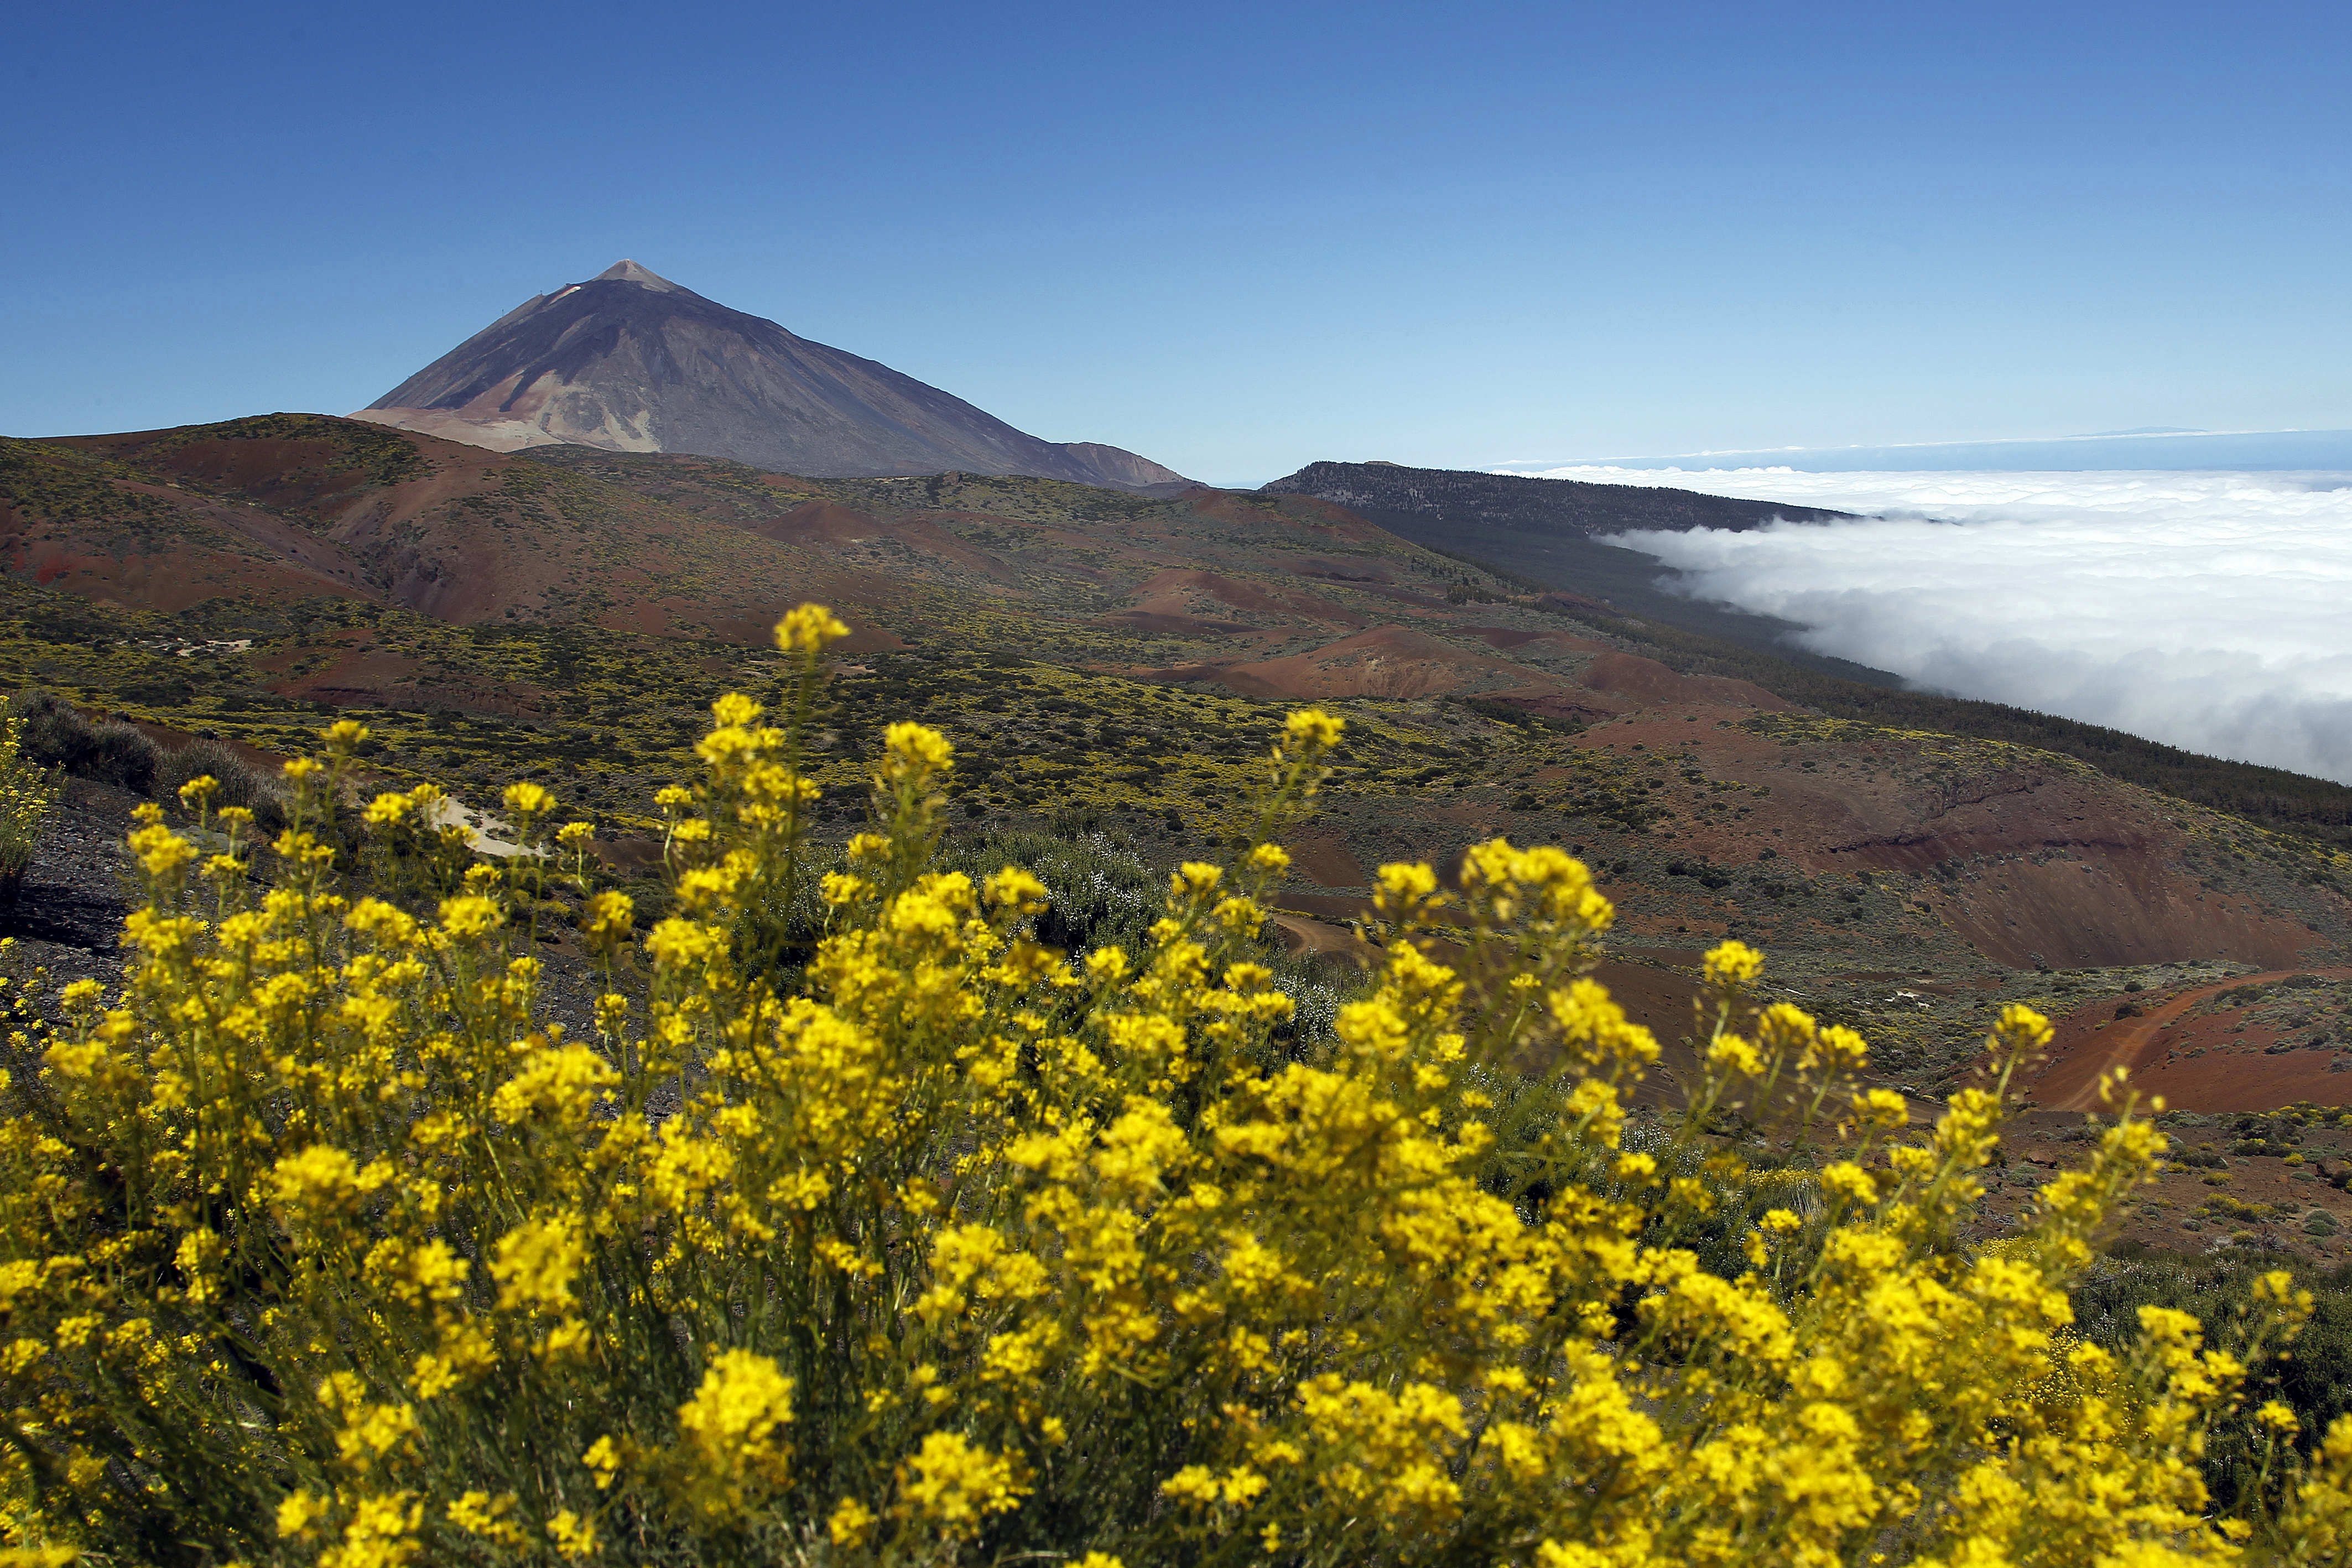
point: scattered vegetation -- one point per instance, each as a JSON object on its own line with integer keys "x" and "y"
{"x": 322, "y": 1245}
{"x": 2312, "y": 808}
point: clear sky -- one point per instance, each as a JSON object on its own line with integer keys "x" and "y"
{"x": 1236, "y": 238}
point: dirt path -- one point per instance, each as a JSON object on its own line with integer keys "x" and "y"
{"x": 2071, "y": 1081}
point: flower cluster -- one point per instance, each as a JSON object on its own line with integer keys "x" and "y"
{"x": 26, "y": 792}
{"x": 320, "y": 1243}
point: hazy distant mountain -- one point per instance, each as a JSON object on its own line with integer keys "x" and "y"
{"x": 1425, "y": 504}
{"x": 632, "y": 362}
{"x": 2152, "y": 447}
{"x": 1548, "y": 532}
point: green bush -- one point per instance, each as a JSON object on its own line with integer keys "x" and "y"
{"x": 236, "y": 781}
{"x": 113, "y": 752}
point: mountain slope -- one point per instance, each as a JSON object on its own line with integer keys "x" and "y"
{"x": 632, "y": 362}
{"x": 1109, "y": 658}
{"x": 284, "y": 509}
{"x": 1463, "y": 499}
{"x": 1542, "y": 532}
{"x": 1550, "y": 531}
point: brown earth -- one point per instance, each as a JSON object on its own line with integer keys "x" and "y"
{"x": 2050, "y": 862}
{"x": 2198, "y": 1063}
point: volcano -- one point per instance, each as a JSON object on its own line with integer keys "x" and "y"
{"x": 632, "y": 362}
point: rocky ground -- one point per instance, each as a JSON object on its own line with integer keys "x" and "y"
{"x": 2269, "y": 1184}
{"x": 66, "y": 923}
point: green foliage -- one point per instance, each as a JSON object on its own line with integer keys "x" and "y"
{"x": 28, "y": 791}
{"x": 2315, "y": 1381}
{"x": 113, "y": 752}
{"x": 235, "y": 781}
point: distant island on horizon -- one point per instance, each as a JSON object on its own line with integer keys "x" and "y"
{"x": 2153, "y": 448}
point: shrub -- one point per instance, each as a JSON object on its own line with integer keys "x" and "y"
{"x": 54, "y": 730}
{"x": 56, "y": 735}
{"x": 1098, "y": 890}
{"x": 26, "y": 792}
{"x": 235, "y": 781}
{"x": 320, "y": 1248}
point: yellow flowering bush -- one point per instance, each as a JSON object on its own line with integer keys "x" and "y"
{"x": 322, "y": 1245}
{"x": 28, "y": 791}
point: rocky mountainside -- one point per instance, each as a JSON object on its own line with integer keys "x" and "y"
{"x": 632, "y": 362}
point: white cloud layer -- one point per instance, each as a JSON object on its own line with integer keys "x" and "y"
{"x": 2210, "y": 611}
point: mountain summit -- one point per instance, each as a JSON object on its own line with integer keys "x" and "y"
{"x": 632, "y": 362}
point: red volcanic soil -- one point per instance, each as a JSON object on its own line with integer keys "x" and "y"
{"x": 2196, "y": 1059}
{"x": 2042, "y": 859}
{"x": 1510, "y": 639}
{"x": 1651, "y": 685}
{"x": 1225, "y": 590}
{"x": 1299, "y": 933}
{"x": 170, "y": 579}
{"x": 1384, "y": 662}
{"x": 818, "y": 522}
{"x": 1171, "y": 601}
{"x": 1252, "y": 510}
{"x": 288, "y": 474}
{"x": 1324, "y": 860}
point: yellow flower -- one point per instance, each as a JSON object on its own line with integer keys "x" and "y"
{"x": 573, "y": 1536}
{"x": 526, "y": 802}
{"x": 956, "y": 1484}
{"x": 1733, "y": 963}
{"x": 298, "y": 1512}
{"x": 1848, "y": 1182}
{"x": 388, "y": 810}
{"x": 491, "y": 1518}
{"x": 470, "y": 916}
{"x": 603, "y": 1457}
{"x": 2021, "y": 1028}
{"x": 808, "y": 629}
{"x": 608, "y": 919}
{"x": 852, "y": 1523}
{"x": 733, "y": 1430}
{"x": 1881, "y": 1108}
{"x": 162, "y": 853}
{"x": 915, "y": 750}
{"x": 1408, "y": 1272}
{"x": 735, "y": 711}
{"x": 537, "y": 1262}
{"x": 1014, "y": 891}
{"x": 1311, "y": 730}
{"x": 321, "y": 1181}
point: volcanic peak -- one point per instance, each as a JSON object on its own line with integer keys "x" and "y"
{"x": 627, "y": 271}
{"x": 630, "y": 361}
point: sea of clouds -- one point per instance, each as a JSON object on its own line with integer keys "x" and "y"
{"x": 2210, "y": 611}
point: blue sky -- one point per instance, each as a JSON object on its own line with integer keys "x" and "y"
{"x": 1236, "y": 238}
